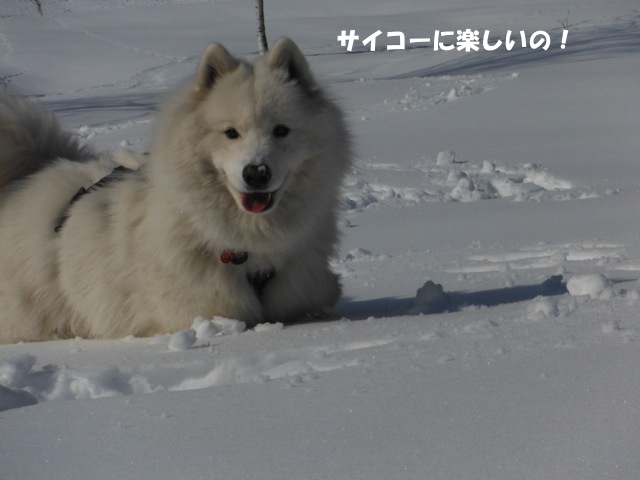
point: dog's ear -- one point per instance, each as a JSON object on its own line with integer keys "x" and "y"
{"x": 214, "y": 63}
{"x": 286, "y": 55}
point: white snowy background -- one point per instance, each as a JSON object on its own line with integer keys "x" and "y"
{"x": 510, "y": 180}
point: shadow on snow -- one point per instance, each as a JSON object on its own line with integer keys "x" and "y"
{"x": 449, "y": 301}
{"x": 135, "y": 102}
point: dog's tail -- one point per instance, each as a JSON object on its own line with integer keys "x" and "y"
{"x": 30, "y": 139}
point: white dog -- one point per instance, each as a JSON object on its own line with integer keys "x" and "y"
{"x": 232, "y": 214}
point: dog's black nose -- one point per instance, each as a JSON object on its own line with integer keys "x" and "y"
{"x": 256, "y": 176}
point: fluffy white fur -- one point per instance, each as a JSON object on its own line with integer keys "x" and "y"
{"x": 141, "y": 256}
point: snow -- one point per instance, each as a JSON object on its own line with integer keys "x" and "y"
{"x": 594, "y": 285}
{"x": 182, "y": 340}
{"x": 431, "y": 298}
{"x": 490, "y": 256}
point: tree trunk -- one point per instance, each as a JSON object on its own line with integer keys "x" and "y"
{"x": 262, "y": 35}
{"x": 39, "y": 6}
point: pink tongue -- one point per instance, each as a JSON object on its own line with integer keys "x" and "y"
{"x": 255, "y": 202}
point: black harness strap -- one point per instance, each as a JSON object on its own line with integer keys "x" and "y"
{"x": 116, "y": 174}
{"x": 259, "y": 279}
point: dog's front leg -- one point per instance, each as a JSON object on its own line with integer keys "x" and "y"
{"x": 299, "y": 289}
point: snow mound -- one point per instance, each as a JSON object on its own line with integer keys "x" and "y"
{"x": 592, "y": 285}
{"x": 446, "y": 158}
{"x": 542, "y": 308}
{"x": 431, "y": 298}
{"x": 449, "y": 179}
{"x": 202, "y": 331}
{"x": 205, "y": 329}
{"x": 228, "y": 326}
{"x": 268, "y": 327}
{"x": 183, "y": 340}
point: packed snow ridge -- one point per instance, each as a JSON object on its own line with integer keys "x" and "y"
{"x": 448, "y": 179}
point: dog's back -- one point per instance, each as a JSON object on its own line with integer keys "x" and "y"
{"x": 41, "y": 168}
{"x": 30, "y": 139}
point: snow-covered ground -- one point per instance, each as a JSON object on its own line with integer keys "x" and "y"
{"x": 490, "y": 327}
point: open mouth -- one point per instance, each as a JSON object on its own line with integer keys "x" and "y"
{"x": 257, "y": 202}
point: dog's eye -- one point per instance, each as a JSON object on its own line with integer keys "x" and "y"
{"x": 280, "y": 131}
{"x": 231, "y": 133}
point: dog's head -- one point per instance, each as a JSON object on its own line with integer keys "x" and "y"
{"x": 261, "y": 121}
